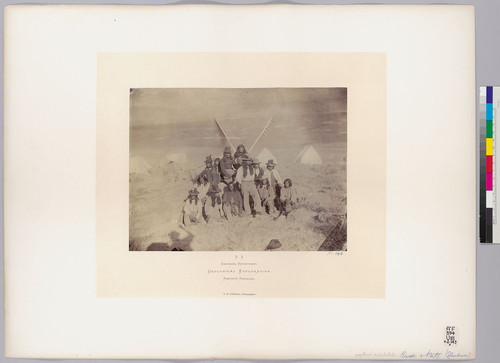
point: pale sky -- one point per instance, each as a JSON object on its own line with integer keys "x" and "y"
{"x": 159, "y": 106}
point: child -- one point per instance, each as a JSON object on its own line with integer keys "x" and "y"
{"x": 213, "y": 206}
{"x": 267, "y": 195}
{"x": 192, "y": 209}
{"x": 288, "y": 197}
{"x": 231, "y": 202}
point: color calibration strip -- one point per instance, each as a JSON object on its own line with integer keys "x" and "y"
{"x": 487, "y": 203}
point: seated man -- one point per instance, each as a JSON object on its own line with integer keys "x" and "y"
{"x": 202, "y": 186}
{"x": 208, "y": 169}
{"x": 192, "y": 209}
{"x": 266, "y": 193}
{"x": 226, "y": 166}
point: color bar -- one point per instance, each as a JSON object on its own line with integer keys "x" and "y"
{"x": 482, "y": 164}
{"x": 489, "y": 146}
{"x": 489, "y": 199}
{"x": 487, "y": 161}
{"x": 489, "y": 193}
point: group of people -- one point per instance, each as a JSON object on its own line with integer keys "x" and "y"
{"x": 236, "y": 185}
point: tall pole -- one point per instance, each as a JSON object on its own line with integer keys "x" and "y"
{"x": 230, "y": 143}
{"x": 262, "y": 133}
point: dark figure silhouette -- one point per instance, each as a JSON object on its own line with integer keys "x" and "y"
{"x": 179, "y": 244}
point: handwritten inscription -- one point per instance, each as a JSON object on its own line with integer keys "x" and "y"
{"x": 336, "y": 253}
{"x": 406, "y": 355}
{"x": 432, "y": 355}
{"x": 375, "y": 355}
{"x": 429, "y": 355}
{"x": 450, "y": 338}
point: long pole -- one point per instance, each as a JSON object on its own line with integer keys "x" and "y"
{"x": 262, "y": 133}
{"x": 230, "y": 143}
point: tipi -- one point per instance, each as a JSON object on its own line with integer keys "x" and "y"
{"x": 138, "y": 165}
{"x": 309, "y": 156}
{"x": 178, "y": 158}
{"x": 266, "y": 155}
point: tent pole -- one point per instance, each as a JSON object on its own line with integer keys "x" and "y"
{"x": 227, "y": 138}
{"x": 264, "y": 130}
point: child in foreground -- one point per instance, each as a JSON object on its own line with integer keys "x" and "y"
{"x": 288, "y": 197}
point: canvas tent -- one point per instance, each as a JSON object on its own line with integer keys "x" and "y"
{"x": 309, "y": 156}
{"x": 178, "y": 158}
{"x": 138, "y": 165}
{"x": 266, "y": 155}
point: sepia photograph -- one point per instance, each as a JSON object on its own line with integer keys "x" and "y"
{"x": 238, "y": 169}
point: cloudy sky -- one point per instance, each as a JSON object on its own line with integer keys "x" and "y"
{"x": 305, "y": 115}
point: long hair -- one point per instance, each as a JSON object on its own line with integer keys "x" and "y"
{"x": 238, "y": 152}
{"x": 195, "y": 200}
{"x": 217, "y": 165}
{"x": 245, "y": 168}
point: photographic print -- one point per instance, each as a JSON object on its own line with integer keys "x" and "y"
{"x": 238, "y": 169}
{"x": 241, "y": 165}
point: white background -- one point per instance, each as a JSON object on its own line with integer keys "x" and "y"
{"x": 61, "y": 281}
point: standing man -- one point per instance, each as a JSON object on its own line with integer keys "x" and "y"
{"x": 259, "y": 172}
{"x": 245, "y": 176}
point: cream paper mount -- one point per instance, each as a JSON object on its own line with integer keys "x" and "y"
{"x": 413, "y": 297}
{"x": 298, "y": 274}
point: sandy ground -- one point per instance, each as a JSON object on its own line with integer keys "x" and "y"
{"x": 157, "y": 197}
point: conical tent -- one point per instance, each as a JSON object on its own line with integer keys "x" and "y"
{"x": 138, "y": 165}
{"x": 178, "y": 158}
{"x": 266, "y": 155}
{"x": 309, "y": 156}
{"x": 297, "y": 158}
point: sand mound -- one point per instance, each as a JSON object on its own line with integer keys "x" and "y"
{"x": 172, "y": 171}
